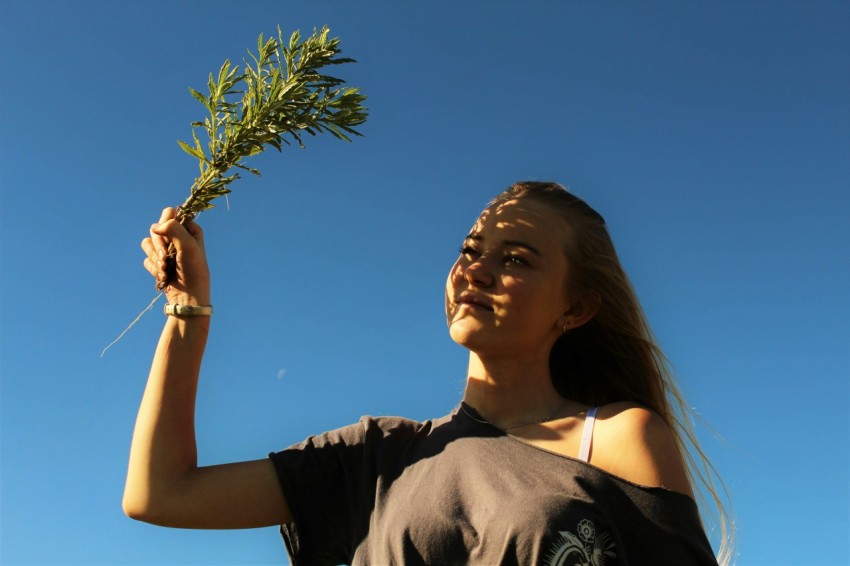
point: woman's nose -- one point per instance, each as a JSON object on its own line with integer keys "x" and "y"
{"x": 478, "y": 273}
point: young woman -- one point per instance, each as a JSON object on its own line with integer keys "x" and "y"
{"x": 564, "y": 450}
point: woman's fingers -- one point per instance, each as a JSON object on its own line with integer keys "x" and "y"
{"x": 157, "y": 235}
{"x": 157, "y": 246}
{"x": 170, "y": 231}
{"x": 154, "y": 262}
{"x": 167, "y": 214}
{"x": 176, "y": 258}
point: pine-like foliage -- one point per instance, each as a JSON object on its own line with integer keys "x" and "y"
{"x": 282, "y": 94}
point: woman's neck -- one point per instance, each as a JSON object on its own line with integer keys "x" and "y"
{"x": 510, "y": 392}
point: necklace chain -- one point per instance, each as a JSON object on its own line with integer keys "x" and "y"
{"x": 552, "y": 417}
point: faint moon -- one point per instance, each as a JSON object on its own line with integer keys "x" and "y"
{"x": 281, "y": 373}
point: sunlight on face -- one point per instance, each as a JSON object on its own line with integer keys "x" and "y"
{"x": 507, "y": 291}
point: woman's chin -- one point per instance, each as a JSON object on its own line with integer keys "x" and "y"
{"x": 475, "y": 339}
{"x": 462, "y": 337}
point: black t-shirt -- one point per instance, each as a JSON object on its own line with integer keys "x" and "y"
{"x": 455, "y": 491}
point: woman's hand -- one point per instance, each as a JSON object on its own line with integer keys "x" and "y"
{"x": 191, "y": 283}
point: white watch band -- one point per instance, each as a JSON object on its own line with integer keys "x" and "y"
{"x": 188, "y": 310}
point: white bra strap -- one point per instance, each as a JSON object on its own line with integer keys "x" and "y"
{"x": 587, "y": 435}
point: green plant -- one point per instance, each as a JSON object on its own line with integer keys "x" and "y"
{"x": 284, "y": 94}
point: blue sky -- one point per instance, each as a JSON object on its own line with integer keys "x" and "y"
{"x": 714, "y": 137}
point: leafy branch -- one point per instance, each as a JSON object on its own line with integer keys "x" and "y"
{"x": 284, "y": 94}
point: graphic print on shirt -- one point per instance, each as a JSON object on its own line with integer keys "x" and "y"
{"x": 587, "y": 548}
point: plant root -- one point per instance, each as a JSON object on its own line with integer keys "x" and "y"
{"x": 132, "y": 324}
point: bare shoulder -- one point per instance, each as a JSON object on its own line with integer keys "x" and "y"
{"x": 635, "y": 443}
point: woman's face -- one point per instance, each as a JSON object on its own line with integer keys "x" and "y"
{"x": 506, "y": 294}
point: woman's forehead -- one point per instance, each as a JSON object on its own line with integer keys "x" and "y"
{"x": 520, "y": 216}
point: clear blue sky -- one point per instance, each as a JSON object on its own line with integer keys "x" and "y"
{"x": 714, "y": 137}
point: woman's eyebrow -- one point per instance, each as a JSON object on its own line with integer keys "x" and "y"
{"x": 518, "y": 244}
{"x": 508, "y": 243}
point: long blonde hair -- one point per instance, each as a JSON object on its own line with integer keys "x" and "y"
{"x": 614, "y": 356}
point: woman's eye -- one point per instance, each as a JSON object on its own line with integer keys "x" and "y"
{"x": 467, "y": 251}
{"x": 516, "y": 260}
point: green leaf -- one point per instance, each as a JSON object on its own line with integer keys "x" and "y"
{"x": 192, "y": 151}
{"x": 200, "y": 97}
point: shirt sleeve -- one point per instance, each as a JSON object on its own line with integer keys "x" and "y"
{"x": 330, "y": 482}
{"x": 658, "y": 526}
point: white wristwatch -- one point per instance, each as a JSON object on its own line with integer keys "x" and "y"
{"x": 188, "y": 310}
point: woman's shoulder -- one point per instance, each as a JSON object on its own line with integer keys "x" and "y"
{"x": 635, "y": 443}
{"x": 626, "y": 417}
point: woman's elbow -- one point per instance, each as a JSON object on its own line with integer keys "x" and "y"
{"x": 135, "y": 507}
{"x": 141, "y": 507}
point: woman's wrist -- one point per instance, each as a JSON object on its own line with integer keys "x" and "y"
{"x": 188, "y": 326}
{"x": 183, "y": 297}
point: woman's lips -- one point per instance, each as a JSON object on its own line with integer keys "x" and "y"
{"x": 473, "y": 302}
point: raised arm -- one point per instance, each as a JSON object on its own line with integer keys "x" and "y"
{"x": 164, "y": 485}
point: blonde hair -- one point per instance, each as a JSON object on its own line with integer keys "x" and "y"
{"x": 614, "y": 356}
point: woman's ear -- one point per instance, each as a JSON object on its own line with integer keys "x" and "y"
{"x": 581, "y": 311}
